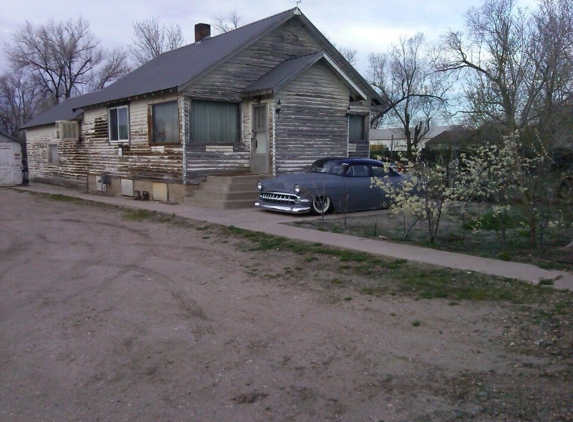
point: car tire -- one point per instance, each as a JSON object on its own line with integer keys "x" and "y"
{"x": 321, "y": 205}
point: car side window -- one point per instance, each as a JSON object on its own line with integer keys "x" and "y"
{"x": 358, "y": 170}
{"x": 380, "y": 171}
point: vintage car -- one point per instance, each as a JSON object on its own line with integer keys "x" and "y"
{"x": 330, "y": 184}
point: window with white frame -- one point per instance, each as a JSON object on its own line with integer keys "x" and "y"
{"x": 52, "y": 154}
{"x": 164, "y": 123}
{"x": 214, "y": 122}
{"x": 118, "y": 124}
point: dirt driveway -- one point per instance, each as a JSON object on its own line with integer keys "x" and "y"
{"x": 103, "y": 318}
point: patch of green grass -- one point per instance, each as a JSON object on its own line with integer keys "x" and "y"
{"x": 491, "y": 221}
{"x": 63, "y": 198}
{"x": 416, "y": 323}
{"x": 378, "y": 276}
{"x": 394, "y": 265}
{"x": 138, "y": 215}
{"x": 373, "y": 290}
{"x": 445, "y": 283}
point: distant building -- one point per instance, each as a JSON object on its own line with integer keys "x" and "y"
{"x": 10, "y": 160}
{"x": 395, "y": 140}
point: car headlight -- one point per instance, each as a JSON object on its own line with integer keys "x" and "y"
{"x": 297, "y": 188}
{"x": 259, "y": 185}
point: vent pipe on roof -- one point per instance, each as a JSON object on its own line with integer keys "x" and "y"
{"x": 202, "y": 30}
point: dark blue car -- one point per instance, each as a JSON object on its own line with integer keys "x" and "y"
{"x": 330, "y": 184}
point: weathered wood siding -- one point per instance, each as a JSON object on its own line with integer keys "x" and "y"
{"x": 71, "y": 170}
{"x": 226, "y": 83}
{"x": 312, "y": 122}
{"x": 140, "y": 160}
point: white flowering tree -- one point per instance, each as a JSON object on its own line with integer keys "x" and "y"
{"x": 500, "y": 175}
{"x": 426, "y": 194}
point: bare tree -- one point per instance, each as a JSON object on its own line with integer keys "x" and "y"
{"x": 551, "y": 84}
{"x": 225, "y": 22}
{"x": 495, "y": 56}
{"x": 412, "y": 91}
{"x": 349, "y": 54}
{"x": 19, "y": 98}
{"x": 152, "y": 38}
{"x": 114, "y": 67}
{"x": 61, "y": 57}
{"x": 519, "y": 80}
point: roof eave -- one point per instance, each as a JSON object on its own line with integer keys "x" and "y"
{"x": 258, "y": 93}
{"x": 131, "y": 97}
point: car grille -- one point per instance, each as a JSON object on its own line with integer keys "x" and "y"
{"x": 279, "y": 198}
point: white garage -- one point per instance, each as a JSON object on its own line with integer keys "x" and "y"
{"x": 10, "y": 161}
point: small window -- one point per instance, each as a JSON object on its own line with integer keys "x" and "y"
{"x": 118, "y": 123}
{"x": 356, "y": 132}
{"x": 214, "y": 122}
{"x": 164, "y": 123}
{"x": 67, "y": 130}
{"x": 52, "y": 154}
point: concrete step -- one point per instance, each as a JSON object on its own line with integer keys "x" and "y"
{"x": 226, "y": 192}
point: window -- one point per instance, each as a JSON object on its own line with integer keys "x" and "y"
{"x": 356, "y": 129}
{"x": 164, "y": 123}
{"x": 52, "y": 154}
{"x": 214, "y": 122}
{"x": 67, "y": 130}
{"x": 118, "y": 123}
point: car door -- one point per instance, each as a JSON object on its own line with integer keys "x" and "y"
{"x": 359, "y": 193}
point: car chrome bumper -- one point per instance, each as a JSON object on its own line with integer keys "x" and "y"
{"x": 301, "y": 206}
{"x": 291, "y": 209}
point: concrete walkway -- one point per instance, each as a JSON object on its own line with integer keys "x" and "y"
{"x": 272, "y": 223}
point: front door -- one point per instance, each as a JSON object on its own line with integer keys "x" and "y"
{"x": 260, "y": 140}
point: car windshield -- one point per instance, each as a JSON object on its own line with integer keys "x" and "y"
{"x": 325, "y": 166}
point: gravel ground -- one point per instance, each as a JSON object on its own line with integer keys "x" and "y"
{"x": 104, "y": 318}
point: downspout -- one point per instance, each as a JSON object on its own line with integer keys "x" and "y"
{"x": 274, "y": 148}
{"x": 185, "y": 109}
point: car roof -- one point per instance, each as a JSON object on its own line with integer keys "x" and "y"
{"x": 351, "y": 160}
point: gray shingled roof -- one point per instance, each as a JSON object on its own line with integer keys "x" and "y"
{"x": 169, "y": 70}
{"x": 176, "y": 69}
{"x": 4, "y": 137}
{"x": 66, "y": 110}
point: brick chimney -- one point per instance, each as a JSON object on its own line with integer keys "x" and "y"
{"x": 202, "y": 30}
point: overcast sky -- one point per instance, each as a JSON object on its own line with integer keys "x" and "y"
{"x": 364, "y": 25}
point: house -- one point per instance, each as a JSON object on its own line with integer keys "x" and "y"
{"x": 267, "y": 98}
{"x": 10, "y": 160}
{"x": 394, "y": 139}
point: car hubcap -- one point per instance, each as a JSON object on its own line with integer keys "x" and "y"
{"x": 321, "y": 205}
